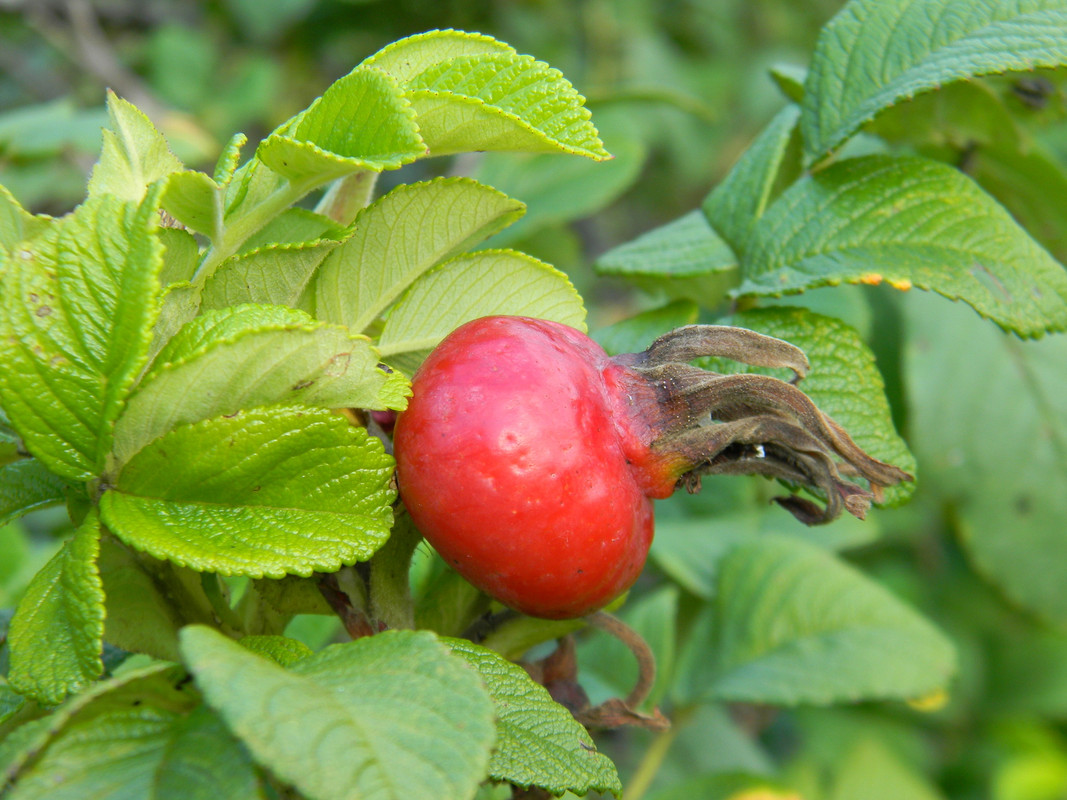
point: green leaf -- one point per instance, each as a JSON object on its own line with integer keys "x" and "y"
{"x": 140, "y": 618}
{"x": 11, "y": 702}
{"x": 538, "y": 743}
{"x": 57, "y": 632}
{"x": 196, "y": 201}
{"x": 690, "y": 549}
{"x": 471, "y": 286}
{"x": 78, "y": 305}
{"x": 25, "y": 485}
{"x": 408, "y": 57}
{"x": 844, "y": 382}
{"x": 362, "y": 122}
{"x": 401, "y": 236}
{"x": 791, "y": 624}
{"x": 16, "y": 223}
{"x": 685, "y": 259}
{"x": 877, "y": 52}
{"x": 275, "y": 274}
{"x": 743, "y": 195}
{"x": 248, "y": 356}
{"x": 389, "y": 716}
{"x": 144, "y": 752}
{"x": 143, "y": 739}
{"x": 991, "y": 432}
{"x": 265, "y": 492}
{"x": 558, "y": 189}
{"x": 295, "y": 226}
{"x": 280, "y": 649}
{"x": 872, "y": 771}
{"x": 501, "y": 101}
{"x": 909, "y": 222}
{"x": 135, "y": 155}
{"x": 156, "y": 683}
{"x": 180, "y": 256}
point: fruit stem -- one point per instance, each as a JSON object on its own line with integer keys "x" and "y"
{"x": 646, "y": 661}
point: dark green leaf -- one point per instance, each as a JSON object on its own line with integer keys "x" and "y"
{"x": 990, "y": 425}
{"x": 685, "y": 258}
{"x": 877, "y": 52}
{"x": 27, "y": 484}
{"x": 742, "y": 196}
{"x": 791, "y": 624}
{"x": 910, "y": 222}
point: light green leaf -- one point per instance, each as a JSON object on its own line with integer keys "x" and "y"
{"x": 740, "y": 199}
{"x": 16, "y": 223}
{"x": 844, "y": 382}
{"x": 57, "y": 632}
{"x": 685, "y": 259}
{"x": 27, "y": 484}
{"x": 477, "y": 285}
{"x": 179, "y": 304}
{"x": 362, "y": 122}
{"x": 400, "y": 237}
{"x": 872, "y": 771}
{"x": 280, "y": 649}
{"x": 235, "y": 358}
{"x": 791, "y": 624}
{"x": 196, "y": 201}
{"x": 229, "y": 158}
{"x": 538, "y": 743}
{"x": 275, "y": 274}
{"x": 408, "y": 57}
{"x": 909, "y": 222}
{"x": 265, "y": 492}
{"x": 78, "y": 306}
{"x": 180, "y": 256}
{"x": 634, "y": 334}
{"x": 135, "y": 155}
{"x": 501, "y": 101}
{"x": 990, "y": 429}
{"x": 877, "y": 52}
{"x": 790, "y": 78}
{"x": 416, "y": 723}
{"x": 294, "y": 226}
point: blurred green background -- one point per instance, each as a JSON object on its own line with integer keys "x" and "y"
{"x": 678, "y": 88}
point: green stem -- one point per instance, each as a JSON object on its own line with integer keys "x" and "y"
{"x": 347, "y": 196}
{"x": 654, "y": 757}
{"x": 238, "y": 231}
{"x": 390, "y": 585}
{"x": 220, "y": 604}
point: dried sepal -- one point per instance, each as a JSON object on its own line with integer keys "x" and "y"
{"x": 744, "y": 424}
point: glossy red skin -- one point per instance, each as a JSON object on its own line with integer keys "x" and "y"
{"x": 514, "y": 460}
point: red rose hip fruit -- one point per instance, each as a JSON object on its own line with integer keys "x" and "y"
{"x": 529, "y": 458}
